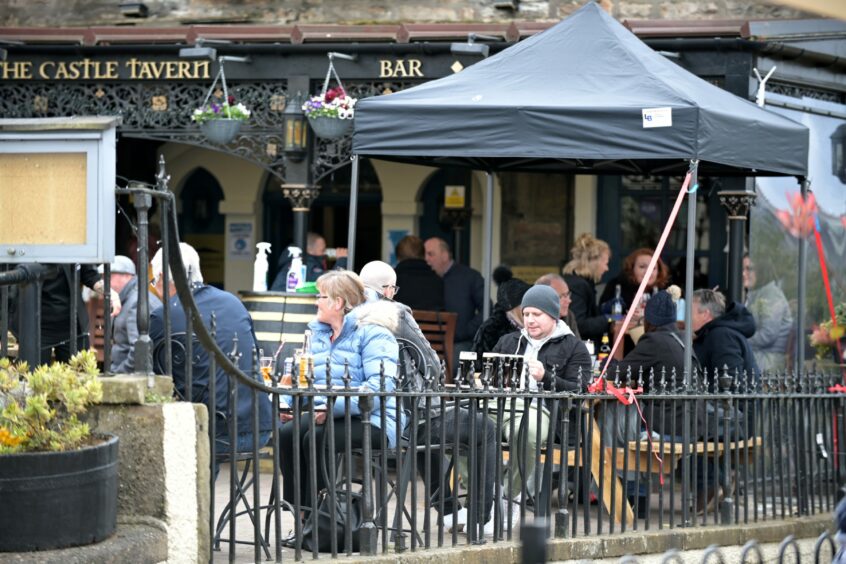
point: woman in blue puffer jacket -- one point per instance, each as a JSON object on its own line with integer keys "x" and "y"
{"x": 341, "y": 339}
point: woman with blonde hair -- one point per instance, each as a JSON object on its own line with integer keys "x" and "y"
{"x": 342, "y": 341}
{"x": 588, "y": 262}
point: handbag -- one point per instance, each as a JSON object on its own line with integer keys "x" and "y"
{"x": 327, "y": 526}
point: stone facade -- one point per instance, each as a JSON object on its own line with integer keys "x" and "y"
{"x": 174, "y": 12}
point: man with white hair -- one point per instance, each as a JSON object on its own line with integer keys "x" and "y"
{"x": 125, "y": 326}
{"x": 380, "y": 288}
{"x": 231, "y": 321}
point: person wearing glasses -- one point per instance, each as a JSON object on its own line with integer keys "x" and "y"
{"x": 343, "y": 340}
{"x": 773, "y": 319}
{"x": 451, "y": 426}
{"x": 565, "y": 314}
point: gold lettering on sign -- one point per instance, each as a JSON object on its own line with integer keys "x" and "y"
{"x": 400, "y": 68}
{"x": 16, "y": 70}
{"x": 87, "y": 69}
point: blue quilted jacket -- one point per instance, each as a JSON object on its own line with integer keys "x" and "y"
{"x": 366, "y": 346}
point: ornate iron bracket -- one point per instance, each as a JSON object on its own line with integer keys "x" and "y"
{"x": 737, "y": 202}
{"x": 301, "y": 196}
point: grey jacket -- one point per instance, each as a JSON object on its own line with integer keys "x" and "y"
{"x": 125, "y": 328}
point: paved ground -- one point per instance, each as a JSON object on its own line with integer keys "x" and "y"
{"x": 596, "y": 517}
{"x": 731, "y": 554}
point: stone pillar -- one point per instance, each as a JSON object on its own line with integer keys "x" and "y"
{"x": 163, "y": 465}
{"x": 736, "y": 203}
{"x": 301, "y": 197}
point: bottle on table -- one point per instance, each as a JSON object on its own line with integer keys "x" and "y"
{"x": 306, "y": 361}
{"x": 604, "y": 350}
{"x": 617, "y": 305}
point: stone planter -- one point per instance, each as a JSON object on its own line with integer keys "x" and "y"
{"x": 221, "y": 130}
{"x": 54, "y": 500}
{"x": 330, "y": 128}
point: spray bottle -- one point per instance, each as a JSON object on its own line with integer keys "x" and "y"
{"x": 296, "y": 273}
{"x": 260, "y": 267}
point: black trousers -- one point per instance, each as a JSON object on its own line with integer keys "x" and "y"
{"x": 456, "y": 430}
{"x": 288, "y": 464}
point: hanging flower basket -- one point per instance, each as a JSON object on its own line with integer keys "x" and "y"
{"x": 331, "y": 112}
{"x": 221, "y": 130}
{"x": 220, "y": 120}
{"x": 330, "y": 127}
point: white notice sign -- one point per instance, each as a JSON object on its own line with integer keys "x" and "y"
{"x": 657, "y": 117}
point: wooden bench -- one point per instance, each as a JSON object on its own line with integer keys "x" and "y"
{"x": 97, "y": 327}
{"x": 439, "y": 329}
{"x": 640, "y": 458}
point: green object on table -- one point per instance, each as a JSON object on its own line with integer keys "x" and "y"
{"x": 307, "y": 288}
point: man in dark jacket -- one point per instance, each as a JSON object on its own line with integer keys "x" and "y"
{"x": 422, "y": 288}
{"x": 554, "y": 359}
{"x": 232, "y": 320}
{"x": 722, "y": 333}
{"x": 464, "y": 290}
{"x": 56, "y": 295}
{"x": 125, "y": 325}
{"x": 314, "y": 260}
{"x": 659, "y": 359}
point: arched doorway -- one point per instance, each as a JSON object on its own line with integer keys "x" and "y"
{"x": 201, "y": 224}
{"x": 329, "y": 215}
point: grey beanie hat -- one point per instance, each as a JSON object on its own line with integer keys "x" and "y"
{"x": 542, "y": 297}
{"x": 660, "y": 309}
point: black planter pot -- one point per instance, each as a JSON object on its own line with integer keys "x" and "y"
{"x": 53, "y": 500}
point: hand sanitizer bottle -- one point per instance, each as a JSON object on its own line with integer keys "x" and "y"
{"x": 295, "y": 273}
{"x": 260, "y": 267}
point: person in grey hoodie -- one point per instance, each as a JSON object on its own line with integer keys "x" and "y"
{"x": 554, "y": 359}
{"x": 380, "y": 287}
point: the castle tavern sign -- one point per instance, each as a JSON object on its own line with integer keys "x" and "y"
{"x": 90, "y": 69}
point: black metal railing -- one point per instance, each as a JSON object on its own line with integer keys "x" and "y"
{"x": 476, "y": 448}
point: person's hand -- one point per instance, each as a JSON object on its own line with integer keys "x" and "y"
{"x": 341, "y": 252}
{"x": 116, "y": 305}
{"x": 535, "y": 369}
{"x": 284, "y": 416}
{"x": 320, "y": 417}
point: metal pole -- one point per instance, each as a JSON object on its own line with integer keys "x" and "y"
{"x": 144, "y": 345}
{"x": 487, "y": 257}
{"x": 798, "y": 363}
{"x": 353, "y": 214}
{"x": 688, "y": 286}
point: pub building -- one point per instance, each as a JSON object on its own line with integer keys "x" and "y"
{"x": 276, "y": 179}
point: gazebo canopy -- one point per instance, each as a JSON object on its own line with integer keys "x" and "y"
{"x": 585, "y": 96}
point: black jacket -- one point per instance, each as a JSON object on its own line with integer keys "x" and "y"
{"x": 661, "y": 352}
{"x": 464, "y": 291}
{"x": 563, "y": 357}
{"x": 492, "y": 329}
{"x": 723, "y": 343}
{"x": 592, "y": 325}
{"x": 420, "y": 286}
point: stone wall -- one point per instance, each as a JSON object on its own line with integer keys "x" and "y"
{"x": 175, "y": 12}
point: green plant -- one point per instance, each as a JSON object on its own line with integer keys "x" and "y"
{"x": 40, "y": 409}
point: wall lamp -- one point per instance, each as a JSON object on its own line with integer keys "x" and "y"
{"x": 134, "y": 9}
{"x": 295, "y": 146}
{"x": 471, "y": 47}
